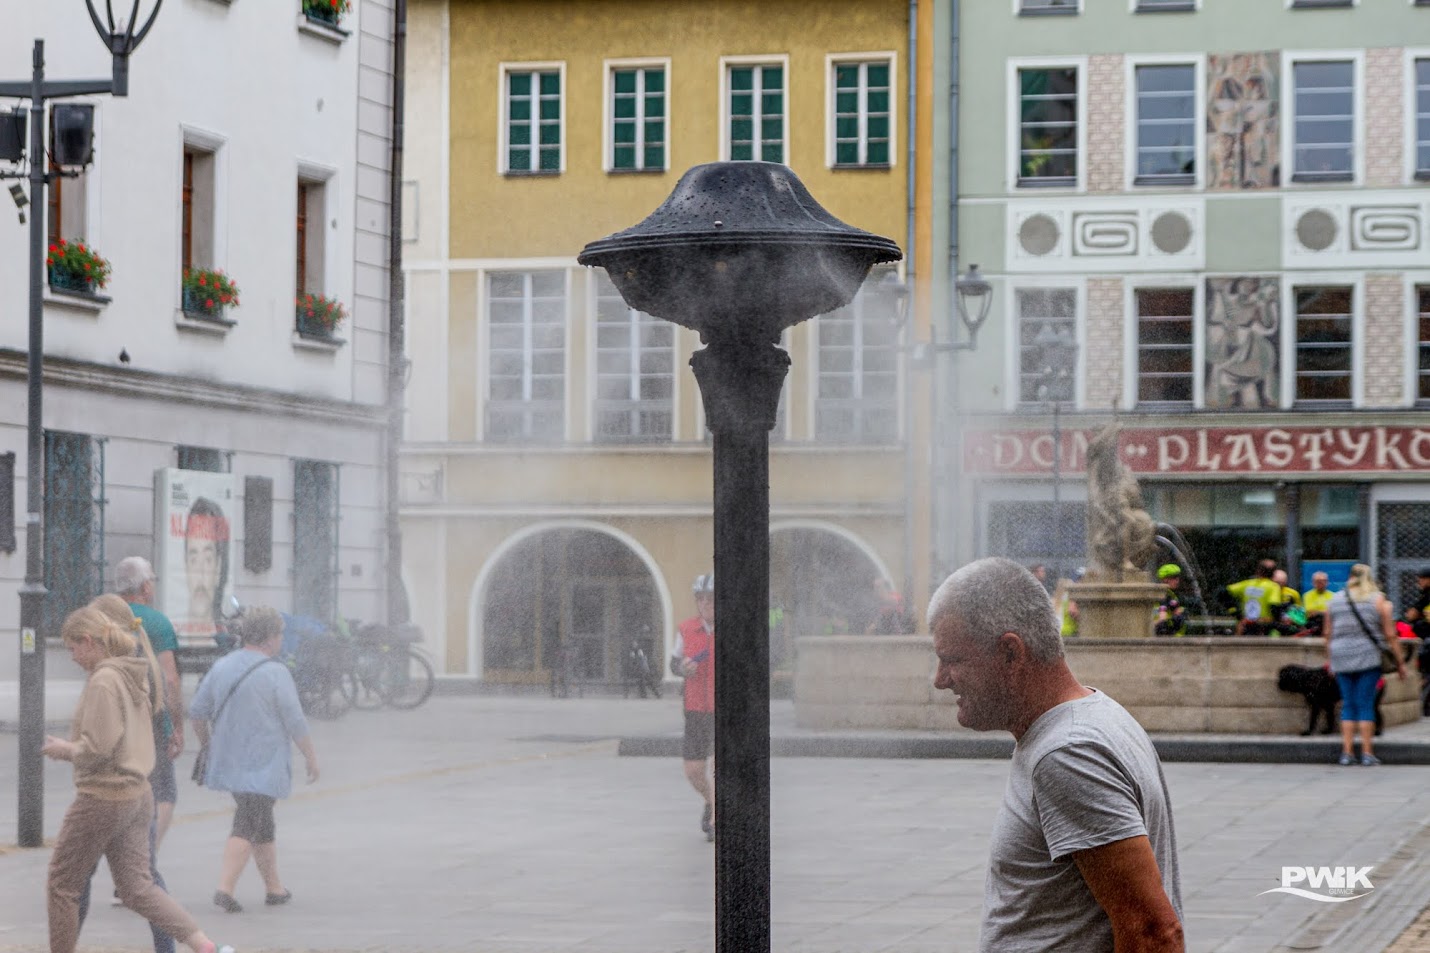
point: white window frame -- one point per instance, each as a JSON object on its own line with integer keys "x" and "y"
{"x": 1013, "y": 110}
{"x": 325, "y": 176}
{"x": 1198, "y": 62}
{"x": 833, "y": 60}
{"x": 593, "y": 351}
{"x": 726, "y": 62}
{"x": 1131, "y": 327}
{"x": 1192, "y": 6}
{"x": 858, "y": 318}
{"x": 483, "y": 358}
{"x": 1289, "y": 59}
{"x": 1013, "y": 398}
{"x": 1411, "y": 130}
{"x": 503, "y": 137}
{"x": 215, "y": 144}
{"x": 1075, "y": 9}
{"x": 1411, "y": 390}
{"x": 608, "y": 124}
{"x": 1290, "y": 281}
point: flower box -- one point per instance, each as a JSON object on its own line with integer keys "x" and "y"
{"x": 206, "y": 294}
{"x": 318, "y": 316}
{"x": 74, "y": 268}
{"x": 329, "y": 12}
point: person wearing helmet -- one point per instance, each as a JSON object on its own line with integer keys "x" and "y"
{"x": 1172, "y": 613}
{"x": 694, "y": 660}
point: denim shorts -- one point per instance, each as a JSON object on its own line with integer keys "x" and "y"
{"x": 1358, "y": 694}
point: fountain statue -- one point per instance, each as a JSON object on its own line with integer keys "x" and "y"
{"x": 1117, "y": 598}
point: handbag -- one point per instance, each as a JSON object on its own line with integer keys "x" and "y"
{"x": 201, "y": 760}
{"x": 1389, "y": 659}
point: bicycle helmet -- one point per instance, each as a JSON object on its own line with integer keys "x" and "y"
{"x": 704, "y": 584}
{"x": 1168, "y": 571}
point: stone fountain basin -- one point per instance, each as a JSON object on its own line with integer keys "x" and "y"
{"x": 1184, "y": 685}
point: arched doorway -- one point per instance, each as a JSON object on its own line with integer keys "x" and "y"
{"x": 821, "y": 583}
{"x": 568, "y": 587}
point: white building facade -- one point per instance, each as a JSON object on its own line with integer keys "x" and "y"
{"x": 255, "y": 141}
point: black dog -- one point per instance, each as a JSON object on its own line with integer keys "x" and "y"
{"x": 1318, "y": 687}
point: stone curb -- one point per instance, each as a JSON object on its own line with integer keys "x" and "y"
{"x": 1169, "y": 748}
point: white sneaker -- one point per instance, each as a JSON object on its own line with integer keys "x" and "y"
{"x": 114, "y": 901}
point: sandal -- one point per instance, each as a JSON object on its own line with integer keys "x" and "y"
{"x": 226, "y": 901}
{"x": 278, "y": 899}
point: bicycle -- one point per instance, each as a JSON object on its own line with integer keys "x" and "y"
{"x": 387, "y": 668}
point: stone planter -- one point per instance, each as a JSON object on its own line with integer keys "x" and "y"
{"x": 194, "y": 307}
{"x": 71, "y": 282}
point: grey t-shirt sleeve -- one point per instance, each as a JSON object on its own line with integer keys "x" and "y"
{"x": 1084, "y": 799}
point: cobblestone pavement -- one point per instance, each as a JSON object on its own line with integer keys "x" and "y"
{"x": 494, "y": 825}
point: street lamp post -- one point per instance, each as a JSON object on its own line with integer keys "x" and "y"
{"x": 739, "y": 252}
{"x": 1057, "y": 357}
{"x": 974, "y": 297}
{"x": 121, "y": 41}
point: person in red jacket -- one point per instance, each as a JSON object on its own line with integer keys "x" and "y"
{"x": 695, "y": 661}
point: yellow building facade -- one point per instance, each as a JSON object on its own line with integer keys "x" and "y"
{"x": 557, "y": 471}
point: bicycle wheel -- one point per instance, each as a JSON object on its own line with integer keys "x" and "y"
{"x": 407, "y": 679}
{"x": 325, "y": 700}
{"x": 362, "y": 685}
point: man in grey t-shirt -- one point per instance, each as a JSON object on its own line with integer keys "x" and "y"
{"x": 1084, "y": 857}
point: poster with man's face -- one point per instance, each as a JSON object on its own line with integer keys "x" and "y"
{"x": 194, "y": 515}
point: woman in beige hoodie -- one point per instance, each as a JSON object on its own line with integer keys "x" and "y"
{"x": 112, "y": 747}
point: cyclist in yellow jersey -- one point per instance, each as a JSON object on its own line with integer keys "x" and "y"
{"x": 1254, "y": 600}
{"x": 1317, "y": 601}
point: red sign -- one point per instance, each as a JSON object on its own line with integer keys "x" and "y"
{"x": 1209, "y": 450}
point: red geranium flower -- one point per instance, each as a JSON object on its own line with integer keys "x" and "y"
{"x": 208, "y": 302}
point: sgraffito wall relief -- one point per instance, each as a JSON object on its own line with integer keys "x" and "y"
{"x": 1243, "y": 343}
{"x": 1243, "y": 121}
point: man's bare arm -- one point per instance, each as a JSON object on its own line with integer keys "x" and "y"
{"x": 173, "y": 700}
{"x": 1126, "y": 882}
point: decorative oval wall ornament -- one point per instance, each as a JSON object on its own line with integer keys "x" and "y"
{"x": 1171, "y": 233}
{"x": 1039, "y": 234}
{"x": 1105, "y": 234}
{"x": 1316, "y": 230}
{"x": 1388, "y": 228}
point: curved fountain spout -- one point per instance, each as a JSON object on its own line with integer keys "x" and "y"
{"x": 1171, "y": 537}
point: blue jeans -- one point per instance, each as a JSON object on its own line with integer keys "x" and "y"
{"x": 163, "y": 943}
{"x": 1358, "y": 694}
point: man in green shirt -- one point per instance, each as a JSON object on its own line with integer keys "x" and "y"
{"x": 134, "y": 579}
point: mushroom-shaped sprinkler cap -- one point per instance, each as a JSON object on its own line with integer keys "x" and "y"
{"x": 739, "y": 249}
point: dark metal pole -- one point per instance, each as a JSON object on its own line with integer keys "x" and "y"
{"x": 1058, "y": 483}
{"x": 32, "y": 594}
{"x": 398, "y": 608}
{"x": 740, "y": 383}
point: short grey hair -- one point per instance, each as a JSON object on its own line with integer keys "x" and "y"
{"x": 258, "y": 624}
{"x": 131, "y": 574}
{"x": 993, "y": 596}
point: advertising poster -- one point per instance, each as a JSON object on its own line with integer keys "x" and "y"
{"x": 194, "y": 514}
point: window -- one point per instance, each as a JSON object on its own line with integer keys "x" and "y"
{"x": 67, "y": 200}
{"x": 315, "y": 539}
{"x": 203, "y": 458}
{"x": 863, "y": 113}
{"x": 7, "y": 502}
{"x": 1048, "y": 106}
{"x": 74, "y": 525}
{"x": 858, "y": 371}
{"x": 526, "y": 388}
{"x": 638, "y": 119}
{"x": 1324, "y": 130}
{"x": 1056, "y": 310}
{"x": 1311, "y": 4}
{"x": 1041, "y": 7}
{"x": 533, "y": 122}
{"x": 635, "y": 370}
{"x": 311, "y": 205}
{"x": 1422, "y": 119}
{"x": 1165, "y": 369}
{"x": 1166, "y": 6}
{"x": 1422, "y": 389}
{"x": 757, "y": 112}
{"x": 1166, "y": 125}
{"x": 197, "y": 241}
{"x": 1323, "y": 345}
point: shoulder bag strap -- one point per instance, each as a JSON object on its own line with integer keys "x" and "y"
{"x": 1363, "y": 627}
{"x": 251, "y": 670}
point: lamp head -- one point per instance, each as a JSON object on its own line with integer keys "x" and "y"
{"x": 122, "y": 35}
{"x": 975, "y": 298}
